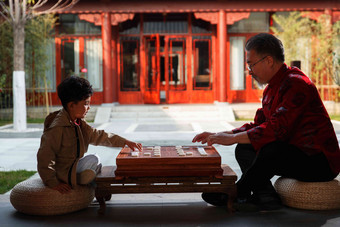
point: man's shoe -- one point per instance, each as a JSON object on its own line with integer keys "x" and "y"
{"x": 86, "y": 177}
{"x": 216, "y": 199}
{"x": 244, "y": 205}
{"x": 267, "y": 202}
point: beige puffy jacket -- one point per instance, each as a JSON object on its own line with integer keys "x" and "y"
{"x": 60, "y": 149}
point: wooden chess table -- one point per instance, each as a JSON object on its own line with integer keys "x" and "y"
{"x": 161, "y": 174}
{"x": 169, "y": 161}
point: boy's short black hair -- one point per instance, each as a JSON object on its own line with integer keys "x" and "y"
{"x": 74, "y": 89}
{"x": 266, "y": 44}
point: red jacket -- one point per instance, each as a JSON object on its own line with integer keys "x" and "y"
{"x": 292, "y": 111}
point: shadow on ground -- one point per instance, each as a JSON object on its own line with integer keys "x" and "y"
{"x": 193, "y": 213}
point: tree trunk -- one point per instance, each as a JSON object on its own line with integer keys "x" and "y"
{"x": 19, "y": 89}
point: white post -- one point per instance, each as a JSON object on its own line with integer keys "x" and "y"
{"x": 19, "y": 101}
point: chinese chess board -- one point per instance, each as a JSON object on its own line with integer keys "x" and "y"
{"x": 169, "y": 161}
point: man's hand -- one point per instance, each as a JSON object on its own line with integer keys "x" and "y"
{"x": 133, "y": 145}
{"x": 63, "y": 188}
{"x": 202, "y": 137}
{"x": 226, "y": 138}
{"x": 221, "y": 138}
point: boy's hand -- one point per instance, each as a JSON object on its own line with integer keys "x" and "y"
{"x": 63, "y": 188}
{"x": 133, "y": 145}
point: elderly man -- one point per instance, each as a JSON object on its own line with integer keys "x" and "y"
{"x": 291, "y": 136}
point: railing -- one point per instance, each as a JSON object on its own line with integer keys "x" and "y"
{"x": 329, "y": 92}
{"x": 6, "y": 98}
{"x": 35, "y": 98}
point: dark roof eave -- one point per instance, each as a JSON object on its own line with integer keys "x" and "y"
{"x": 168, "y": 6}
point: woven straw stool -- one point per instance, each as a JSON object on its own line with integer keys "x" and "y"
{"x": 309, "y": 195}
{"x": 33, "y": 197}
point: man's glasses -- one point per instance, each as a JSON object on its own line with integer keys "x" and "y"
{"x": 249, "y": 67}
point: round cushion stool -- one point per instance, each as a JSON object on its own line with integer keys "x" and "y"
{"x": 33, "y": 197}
{"x": 309, "y": 195}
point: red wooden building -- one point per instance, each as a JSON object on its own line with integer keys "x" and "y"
{"x": 152, "y": 52}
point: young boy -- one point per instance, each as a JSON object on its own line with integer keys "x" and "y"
{"x": 66, "y": 137}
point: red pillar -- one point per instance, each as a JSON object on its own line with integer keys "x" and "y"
{"x": 108, "y": 84}
{"x": 222, "y": 36}
{"x": 114, "y": 63}
{"x": 329, "y": 22}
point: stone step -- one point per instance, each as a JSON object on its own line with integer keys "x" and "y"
{"x": 179, "y": 114}
{"x": 159, "y": 113}
{"x": 168, "y": 108}
{"x": 188, "y": 112}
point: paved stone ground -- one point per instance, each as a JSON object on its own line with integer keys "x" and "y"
{"x": 18, "y": 151}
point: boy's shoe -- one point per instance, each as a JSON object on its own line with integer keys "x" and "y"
{"x": 86, "y": 177}
{"x": 216, "y": 199}
{"x": 99, "y": 168}
{"x": 108, "y": 197}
